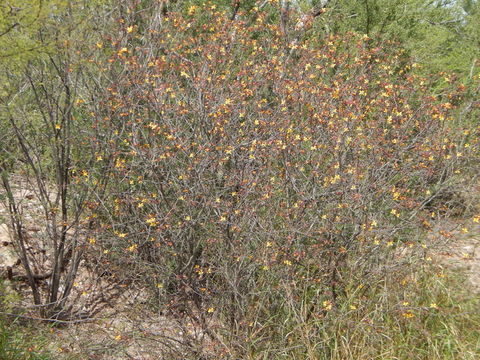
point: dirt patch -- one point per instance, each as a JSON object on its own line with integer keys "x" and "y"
{"x": 458, "y": 247}
{"x": 126, "y": 330}
{"x": 8, "y": 257}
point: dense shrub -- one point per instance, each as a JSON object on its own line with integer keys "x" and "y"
{"x": 259, "y": 181}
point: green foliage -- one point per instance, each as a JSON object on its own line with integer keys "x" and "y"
{"x": 450, "y": 42}
{"x": 441, "y": 35}
{"x": 21, "y": 23}
{"x": 18, "y": 342}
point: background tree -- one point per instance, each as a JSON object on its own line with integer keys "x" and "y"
{"x": 43, "y": 119}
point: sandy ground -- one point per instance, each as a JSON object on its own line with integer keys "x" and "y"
{"x": 461, "y": 249}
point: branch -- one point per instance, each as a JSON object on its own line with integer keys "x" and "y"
{"x": 443, "y": 22}
{"x": 236, "y": 7}
{"x": 10, "y": 28}
{"x": 307, "y": 18}
{"x": 73, "y": 321}
{"x": 320, "y": 8}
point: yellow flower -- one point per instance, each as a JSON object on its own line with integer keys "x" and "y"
{"x": 151, "y": 221}
{"x": 122, "y": 50}
{"x": 191, "y": 10}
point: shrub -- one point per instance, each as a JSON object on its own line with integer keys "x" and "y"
{"x": 261, "y": 181}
